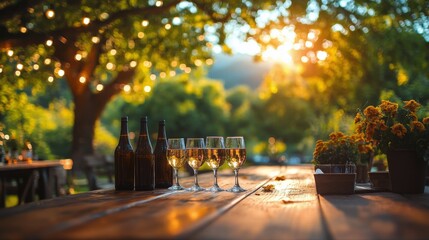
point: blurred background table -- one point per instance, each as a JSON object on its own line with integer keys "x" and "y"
{"x": 290, "y": 210}
{"x": 29, "y": 180}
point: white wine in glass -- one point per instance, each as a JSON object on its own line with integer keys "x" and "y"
{"x": 176, "y": 156}
{"x": 235, "y": 152}
{"x": 195, "y": 158}
{"x": 215, "y": 157}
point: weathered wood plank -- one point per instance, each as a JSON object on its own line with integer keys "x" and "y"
{"x": 156, "y": 214}
{"x": 290, "y": 211}
{"x": 376, "y": 216}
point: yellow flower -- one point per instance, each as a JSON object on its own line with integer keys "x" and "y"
{"x": 411, "y": 105}
{"x": 418, "y": 126}
{"x": 425, "y": 120}
{"x": 399, "y": 130}
{"x": 388, "y": 107}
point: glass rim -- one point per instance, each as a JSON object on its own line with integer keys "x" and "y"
{"x": 235, "y": 137}
{"x": 175, "y": 138}
{"x": 214, "y": 137}
{"x": 195, "y": 138}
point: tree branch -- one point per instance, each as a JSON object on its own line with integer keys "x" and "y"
{"x": 17, "y": 8}
{"x": 115, "y": 87}
{"x": 10, "y": 40}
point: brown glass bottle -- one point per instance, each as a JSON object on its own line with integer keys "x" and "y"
{"x": 163, "y": 170}
{"x": 143, "y": 160}
{"x": 124, "y": 160}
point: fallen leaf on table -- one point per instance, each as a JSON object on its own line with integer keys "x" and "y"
{"x": 280, "y": 178}
{"x": 287, "y": 201}
{"x": 268, "y": 188}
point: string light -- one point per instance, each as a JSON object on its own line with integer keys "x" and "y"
{"x": 95, "y": 39}
{"x": 61, "y": 72}
{"x": 18, "y": 73}
{"x": 19, "y": 66}
{"x": 110, "y": 66}
{"x": 304, "y": 59}
{"x": 49, "y": 42}
{"x": 198, "y": 62}
{"x": 113, "y": 52}
{"x": 173, "y": 63}
{"x": 1, "y": 69}
{"x": 182, "y": 66}
{"x": 23, "y": 29}
{"x": 147, "y": 89}
{"x": 10, "y": 53}
{"x": 47, "y": 61}
{"x": 99, "y": 87}
{"x": 168, "y": 26}
{"x": 82, "y": 79}
{"x": 78, "y": 56}
{"x": 36, "y": 66}
{"x": 86, "y": 20}
{"x": 50, "y": 79}
{"x": 152, "y": 77}
{"x": 162, "y": 75}
{"x": 133, "y": 64}
{"x": 127, "y": 88}
{"x": 50, "y": 14}
{"x": 209, "y": 61}
{"x": 140, "y": 35}
{"x": 145, "y": 23}
{"x": 159, "y": 3}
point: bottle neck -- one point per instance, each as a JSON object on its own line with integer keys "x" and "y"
{"x": 161, "y": 132}
{"x": 124, "y": 132}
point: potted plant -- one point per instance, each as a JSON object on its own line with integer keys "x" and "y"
{"x": 399, "y": 133}
{"x": 336, "y": 159}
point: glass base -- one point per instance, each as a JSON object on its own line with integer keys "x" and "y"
{"x": 215, "y": 188}
{"x": 176, "y": 187}
{"x": 195, "y": 188}
{"x": 236, "y": 189}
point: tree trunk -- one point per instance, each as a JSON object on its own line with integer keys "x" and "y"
{"x": 86, "y": 113}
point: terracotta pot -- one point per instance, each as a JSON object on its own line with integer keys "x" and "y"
{"x": 406, "y": 171}
{"x": 335, "y": 183}
{"x": 380, "y": 180}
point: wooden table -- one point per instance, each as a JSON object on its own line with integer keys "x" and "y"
{"x": 292, "y": 210}
{"x": 27, "y": 174}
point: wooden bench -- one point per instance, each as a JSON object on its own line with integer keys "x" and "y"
{"x": 292, "y": 210}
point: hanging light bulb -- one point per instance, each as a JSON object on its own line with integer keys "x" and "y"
{"x": 49, "y": 42}
{"x": 86, "y": 20}
{"x": 82, "y": 79}
{"x": 10, "y": 53}
{"x": 49, "y": 13}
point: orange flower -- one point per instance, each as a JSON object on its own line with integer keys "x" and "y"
{"x": 358, "y": 118}
{"x": 383, "y": 126}
{"x": 425, "y": 120}
{"x": 411, "y": 105}
{"x": 336, "y": 135}
{"x": 372, "y": 113}
{"x": 389, "y": 108}
{"x": 418, "y": 126}
{"x": 399, "y": 130}
{"x": 413, "y": 116}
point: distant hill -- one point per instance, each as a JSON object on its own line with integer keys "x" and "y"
{"x": 238, "y": 69}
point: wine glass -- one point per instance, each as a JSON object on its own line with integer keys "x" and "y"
{"x": 215, "y": 157}
{"x": 176, "y": 156}
{"x": 195, "y": 157}
{"x": 235, "y": 152}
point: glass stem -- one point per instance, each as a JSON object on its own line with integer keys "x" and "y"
{"x": 176, "y": 175}
{"x": 236, "y": 176}
{"x": 196, "y": 176}
{"x": 215, "y": 176}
